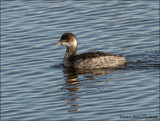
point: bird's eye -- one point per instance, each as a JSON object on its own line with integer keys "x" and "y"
{"x": 65, "y": 40}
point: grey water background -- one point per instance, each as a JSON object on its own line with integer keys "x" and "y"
{"x": 34, "y": 84}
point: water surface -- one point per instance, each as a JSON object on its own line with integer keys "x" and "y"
{"x": 34, "y": 84}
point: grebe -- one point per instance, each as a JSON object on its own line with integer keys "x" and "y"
{"x": 88, "y": 60}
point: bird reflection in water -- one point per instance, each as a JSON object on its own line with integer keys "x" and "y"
{"x": 73, "y": 84}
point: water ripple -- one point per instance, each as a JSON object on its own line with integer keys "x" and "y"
{"x": 36, "y": 87}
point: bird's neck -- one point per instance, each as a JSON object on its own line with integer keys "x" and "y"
{"x": 70, "y": 52}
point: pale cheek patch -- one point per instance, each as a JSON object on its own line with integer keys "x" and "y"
{"x": 65, "y": 44}
{"x": 75, "y": 43}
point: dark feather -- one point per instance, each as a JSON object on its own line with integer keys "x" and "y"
{"x": 88, "y": 55}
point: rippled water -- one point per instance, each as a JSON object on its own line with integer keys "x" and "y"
{"x": 35, "y": 86}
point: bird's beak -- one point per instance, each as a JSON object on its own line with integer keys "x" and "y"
{"x": 59, "y": 43}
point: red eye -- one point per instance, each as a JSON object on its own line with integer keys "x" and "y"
{"x": 65, "y": 40}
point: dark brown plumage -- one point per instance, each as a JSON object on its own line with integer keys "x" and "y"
{"x": 88, "y": 60}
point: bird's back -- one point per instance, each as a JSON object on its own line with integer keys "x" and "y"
{"x": 94, "y": 60}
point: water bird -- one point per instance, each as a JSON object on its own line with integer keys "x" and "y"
{"x": 88, "y": 60}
